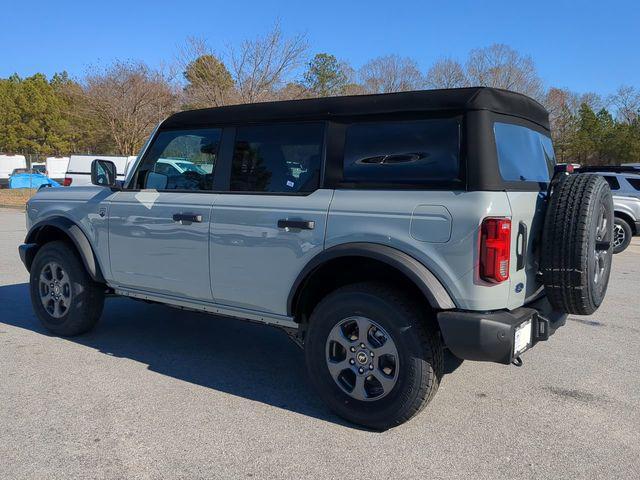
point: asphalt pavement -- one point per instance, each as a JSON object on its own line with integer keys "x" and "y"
{"x": 155, "y": 392}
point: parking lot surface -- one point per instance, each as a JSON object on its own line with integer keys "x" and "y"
{"x": 155, "y": 392}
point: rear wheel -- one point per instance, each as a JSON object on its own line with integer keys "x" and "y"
{"x": 622, "y": 234}
{"x": 372, "y": 355}
{"x": 64, "y": 297}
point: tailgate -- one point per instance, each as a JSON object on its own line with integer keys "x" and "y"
{"x": 527, "y": 220}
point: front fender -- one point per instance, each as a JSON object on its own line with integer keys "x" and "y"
{"x": 38, "y": 235}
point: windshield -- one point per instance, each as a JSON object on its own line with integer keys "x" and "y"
{"x": 524, "y": 155}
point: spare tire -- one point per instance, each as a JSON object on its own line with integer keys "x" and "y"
{"x": 577, "y": 243}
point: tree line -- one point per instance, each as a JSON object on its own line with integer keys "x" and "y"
{"x": 112, "y": 109}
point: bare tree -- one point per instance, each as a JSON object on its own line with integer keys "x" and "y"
{"x": 292, "y": 91}
{"x": 500, "y": 66}
{"x": 627, "y": 103}
{"x": 209, "y": 83}
{"x": 129, "y": 99}
{"x": 391, "y": 73}
{"x": 259, "y": 67}
{"x": 446, "y": 73}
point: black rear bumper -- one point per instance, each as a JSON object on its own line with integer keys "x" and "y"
{"x": 489, "y": 336}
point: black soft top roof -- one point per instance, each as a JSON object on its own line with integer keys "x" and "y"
{"x": 454, "y": 100}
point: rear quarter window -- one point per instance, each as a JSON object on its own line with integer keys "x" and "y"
{"x": 524, "y": 155}
{"x": 402, "y": 152}
{"x": 634, "y": 182}
{"x": 613, "y": 182}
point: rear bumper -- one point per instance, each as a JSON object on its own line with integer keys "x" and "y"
{"x": 489, "y": 336}
{"x": 637, "y": 230}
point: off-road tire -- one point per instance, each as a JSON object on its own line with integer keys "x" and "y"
{"x": 577, "y": 244}
{"x": 86, "y": 299}
{"x": 418, "y": 344}
{"x": 628, "y": 233}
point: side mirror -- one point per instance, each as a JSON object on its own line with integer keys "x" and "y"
{"x": 103, "y": 173}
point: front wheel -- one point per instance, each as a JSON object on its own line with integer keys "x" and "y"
{"x": 621, "y": 235}
{"x": 64, "y": 297}
{"x": 373, "y": 355}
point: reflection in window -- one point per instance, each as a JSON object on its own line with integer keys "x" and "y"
{"x": 408, "y": 152}
{"x": 277, "y": 158}
{"x": 180, "y": 160}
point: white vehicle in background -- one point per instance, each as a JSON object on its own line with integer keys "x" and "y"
{"x": 57, "y": 168}
{"x": 8, "y": 163}
{"x": 79, "y": 170}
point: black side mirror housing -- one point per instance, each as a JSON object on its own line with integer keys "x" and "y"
{"x": 103, "y": 173}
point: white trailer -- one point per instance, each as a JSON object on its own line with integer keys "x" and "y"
{"x": 57, "y": 168}
{"x": 8, "y": 163}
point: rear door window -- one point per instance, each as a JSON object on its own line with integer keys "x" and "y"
{"x": 524, "y": 155}
{"x": 402, "y": 152}
{"x": 277, "y": 158}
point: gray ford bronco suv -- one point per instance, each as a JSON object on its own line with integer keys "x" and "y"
{"x": 377, "y": 230}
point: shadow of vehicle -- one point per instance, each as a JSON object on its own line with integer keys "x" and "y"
{"x": 248, "y": 360}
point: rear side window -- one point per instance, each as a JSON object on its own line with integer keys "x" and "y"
{"x": 277, "y": 158}
{"x": 635, "y": 182}
{"x": 613, "y": 182}
{"x": 524, "y": 155}
{"x": 402, "y": 152}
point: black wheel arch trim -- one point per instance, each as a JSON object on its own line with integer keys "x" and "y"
{"x": 77, "y": 237}
{"x": 419, "y": 274}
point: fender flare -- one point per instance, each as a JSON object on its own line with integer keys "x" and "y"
{"x": 77, "y": 237}
{"x": 420, "y": 275}
{"x": 623, "y": 209}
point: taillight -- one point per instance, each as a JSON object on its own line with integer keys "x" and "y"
{"x": 67, "y": 181}
{"x": 495, "y": 249}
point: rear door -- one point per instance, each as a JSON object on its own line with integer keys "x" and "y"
{"x": 525, "y": 157}
{"x": 272, "y": 220}
{"x": 159, "y": 230}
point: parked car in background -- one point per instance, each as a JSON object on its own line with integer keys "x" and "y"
{"x": 626, "y": 221}
{"x": 39, "y": 167}
{"x": 29, "y": 179}
{"x": 624, "y": 182}
{"x": 8, "y": 163}
{"x": 79, "y": 168}
{"x": 57, "y": 168}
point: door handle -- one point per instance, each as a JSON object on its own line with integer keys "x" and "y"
{"x": 521, "y": 242}
{"x": 300, "y": 224}
{"x": 187, "y": 217}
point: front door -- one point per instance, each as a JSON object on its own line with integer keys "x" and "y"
{"x": 159, "y": 229}
{"x": 272, "y": 221}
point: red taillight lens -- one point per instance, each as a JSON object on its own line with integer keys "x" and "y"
{"x": 66, "y": 182}
{"x": 495, "y": 249}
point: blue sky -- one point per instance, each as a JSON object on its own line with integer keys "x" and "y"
{"x": 582, "y": 45}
